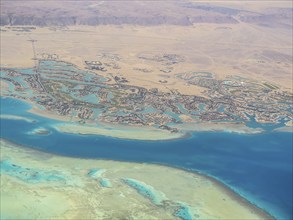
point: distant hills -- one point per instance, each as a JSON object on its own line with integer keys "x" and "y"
{"x": 145, "y": 13}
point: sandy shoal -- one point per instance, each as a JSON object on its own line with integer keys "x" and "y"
{"x": 86, "y": 199}
{"x": 285, "y": 129}
{"x": 127, "y": 132}
{"x": 239, "y": 128}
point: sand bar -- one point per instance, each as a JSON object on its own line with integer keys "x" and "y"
{"x": 230, "y": 127}
{"x": 15, "y": 117}
{"x": 135, "y": 133}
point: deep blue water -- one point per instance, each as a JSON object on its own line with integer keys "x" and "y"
{"x": 259, "y": 167}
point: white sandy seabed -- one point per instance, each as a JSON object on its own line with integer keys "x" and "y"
{"x": 38, "y": 185}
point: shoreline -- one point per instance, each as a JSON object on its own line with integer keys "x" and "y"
{"x": 64, "y": 124}
{"x": 233, "y": 194}
{"x": 184, "y": 130}
{"x": 288, "y": 129}
{"x": 143, "y": 134}
{"x": 239, "y": 128}
{"x": 228, "y": 127}
{"x": 104, "y": 128}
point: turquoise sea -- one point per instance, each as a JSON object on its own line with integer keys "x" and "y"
{"x": 259, "y": 166}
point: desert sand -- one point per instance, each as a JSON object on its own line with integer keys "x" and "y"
{"x": 234, "y": 49}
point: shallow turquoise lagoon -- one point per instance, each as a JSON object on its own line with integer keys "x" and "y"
{"x": 105, "y": 183}
{"x": 183, "y": 212}
{"x": 259, "y": 167}
{"x": 29, "y": 175}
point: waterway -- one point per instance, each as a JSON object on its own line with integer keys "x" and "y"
{"x": 258, "y": 166}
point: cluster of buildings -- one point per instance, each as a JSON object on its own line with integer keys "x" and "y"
{"x": 66, "y": 92}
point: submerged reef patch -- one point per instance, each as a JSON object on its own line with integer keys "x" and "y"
{"x": 95, "y": 173}
{"x": 145, "y": 190}
{"x": 183, "y": 212}
{"x": 40, "y": 131}
{"x": 105, "y": 183}
{"x": 179, "y": 209}
{"x": 29, "y": 175}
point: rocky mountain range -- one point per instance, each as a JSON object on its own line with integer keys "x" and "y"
{"x": 145, "y": 13}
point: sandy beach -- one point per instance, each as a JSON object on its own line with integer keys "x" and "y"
{"x": 285, "y": 129}
{"x": 71, "y": 125}
{"x": 240, "y": 128}
{"x": 135, "y": 133}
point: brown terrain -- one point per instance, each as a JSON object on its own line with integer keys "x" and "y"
{"x": 251, "y": 39}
